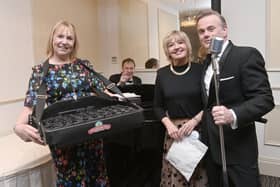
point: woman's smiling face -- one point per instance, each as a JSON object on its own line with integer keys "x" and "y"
{"x": 63, "y": 42}
{"x": 177, "y": 49}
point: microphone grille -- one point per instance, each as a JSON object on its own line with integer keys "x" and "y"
{"x": 216, "y": 45}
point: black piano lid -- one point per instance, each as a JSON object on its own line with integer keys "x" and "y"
{"x": 146, "y": 91}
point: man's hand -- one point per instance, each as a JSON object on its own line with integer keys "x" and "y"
{"x": 99, "y": 128}
{"x": 124, "y": 78}
{"x": 222, "y": 115}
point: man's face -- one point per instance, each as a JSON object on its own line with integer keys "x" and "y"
{"x": 128, "y": 69}
{"x": 209, "y": 27}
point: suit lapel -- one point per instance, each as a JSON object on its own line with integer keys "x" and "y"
{"x": 225, "y": 55}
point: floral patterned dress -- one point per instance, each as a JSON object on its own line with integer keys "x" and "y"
{"x": 80, "y": 165}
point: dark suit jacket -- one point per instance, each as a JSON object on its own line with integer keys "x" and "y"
{"x": 244, "y": 87}
{"x": 116, "y": 78}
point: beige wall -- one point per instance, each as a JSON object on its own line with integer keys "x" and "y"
{"x": 273, "y": 39}
{"x": 273, "y": 34}
{"x": 167, "y": 23}
{"x": 16, "y": 53}
{"x": 133, "y": 33}
{"x": 83, "y": 14}
{"x": 16, "y": 48}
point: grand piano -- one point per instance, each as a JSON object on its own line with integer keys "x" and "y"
{"x": 134, "y": 157}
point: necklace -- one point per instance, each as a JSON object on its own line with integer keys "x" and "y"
{"x": 183, "y": 72}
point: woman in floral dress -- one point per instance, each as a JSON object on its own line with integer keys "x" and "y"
{"x": 79, "y": 164}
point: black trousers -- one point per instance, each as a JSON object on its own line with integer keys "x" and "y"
{"x": 238, "y": 175}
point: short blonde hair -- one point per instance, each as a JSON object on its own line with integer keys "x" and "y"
{"x": 71, "y": 27}
{"x": 178, "y": 35}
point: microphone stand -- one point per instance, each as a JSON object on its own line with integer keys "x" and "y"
{"x": 216, "y": 74}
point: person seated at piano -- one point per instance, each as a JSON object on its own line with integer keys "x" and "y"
{"x": 120, "y": 148}
{"x": 126, "y": 77}
{"x": 79, "y": 164}
{"x": 178, "y": 104}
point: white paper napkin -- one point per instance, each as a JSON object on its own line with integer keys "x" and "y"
{"x": 185, "y": 155}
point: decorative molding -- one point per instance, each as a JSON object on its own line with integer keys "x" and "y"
{"x": 271, "y": 129}
{"x": 145, "y": 70}
{"x": 10, "y": 101}
{"x": 272, "y": 143}
{"x": 147, "y": 76}
{"x": 275, "y": 87}
{"x": 272, "y": 70}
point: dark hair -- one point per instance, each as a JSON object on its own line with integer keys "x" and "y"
{"x": 209, "y": 12}
{"x": 151, "y": 63}
{"x": 128, "y": 60}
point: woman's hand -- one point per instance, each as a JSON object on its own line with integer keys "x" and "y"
{"x": 25, "y": 131}
{"x": 187, "y": 128}
{"x": 172, "y": 129}
{"x": 28, "y": 133}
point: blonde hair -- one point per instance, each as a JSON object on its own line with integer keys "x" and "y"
{"x": 178, "y": 35}
{"x": 201, "y": 54}
{"x": 71, "y": 27}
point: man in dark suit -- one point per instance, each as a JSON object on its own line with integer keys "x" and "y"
{"x": 120, "y": 149}
{"x": 126, "y": 77}
{"x": 245, "y": 96}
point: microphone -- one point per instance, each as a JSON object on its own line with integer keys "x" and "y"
{"x": 216, "y": 46}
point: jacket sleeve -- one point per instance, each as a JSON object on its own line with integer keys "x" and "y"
{"x": 256, "y": 90}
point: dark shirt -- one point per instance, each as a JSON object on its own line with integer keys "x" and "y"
{"x": 178, "y": 95}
